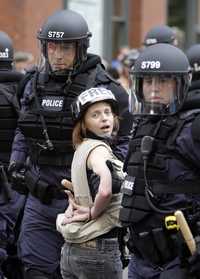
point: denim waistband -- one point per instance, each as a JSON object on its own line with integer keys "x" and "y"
{"x": 97, "y": 243}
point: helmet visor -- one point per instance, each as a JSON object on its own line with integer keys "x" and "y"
{"x": 61, "y": 55}
{"x": 156, "y": 94}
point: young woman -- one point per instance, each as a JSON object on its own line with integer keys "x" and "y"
{"x": 90, "y": 224}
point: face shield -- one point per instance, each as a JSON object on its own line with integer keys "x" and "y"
{"x": 59, "y": 56}
{"x": 161, "y": 94}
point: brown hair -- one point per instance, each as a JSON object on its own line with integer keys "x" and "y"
{"x": 79, "y": 131}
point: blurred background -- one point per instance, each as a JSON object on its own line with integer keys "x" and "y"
{"x": 115, "y": 24}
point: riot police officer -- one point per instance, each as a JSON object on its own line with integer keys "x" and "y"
{"x": 162, "y": 165}
{"x": 44, "y": 134}
{"x": 160, "y": 34}
{"x": 130, "y": 58}
{"x": 194, "y": 59}
{"x": 11, "y": 203}
{"x": 193, "y": 55}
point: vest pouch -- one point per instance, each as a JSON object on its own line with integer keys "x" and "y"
{"x": 164, "y": 245}
{"x": 131, "y": 215}
{"x": 154, "y": 246}
{"x": 127, "y": 190}
{"x": 39, "y": 189}
{"x": 145, "y": 248}
{"x": 134, "y": 208}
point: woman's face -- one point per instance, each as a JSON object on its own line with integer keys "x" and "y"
{"x": 159, "y": 89}
{"x": 99, "y": 119}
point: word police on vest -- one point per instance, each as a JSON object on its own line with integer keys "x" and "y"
{"x": 54, "y": 103}
{"x": 128, "y": 185}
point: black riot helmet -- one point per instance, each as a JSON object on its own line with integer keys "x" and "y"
{"x": 66, "y": 26}
{"x": 130, "y": 58}
{"x": 160, "y": 81}
{"x": 160, "y": 34}
{"x": 90, "y": 97}
{"x": 6, "y": 49}
{"x": 193, "y": 55}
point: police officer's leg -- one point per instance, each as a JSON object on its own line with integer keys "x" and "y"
{"x": 3, "y": 255}
{"x": 12, "y": 267}
{"x": 39, "y": 244}
{"x": 132, "y": 269}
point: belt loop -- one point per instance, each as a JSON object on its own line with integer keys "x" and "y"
{"x": 100, "y": 243}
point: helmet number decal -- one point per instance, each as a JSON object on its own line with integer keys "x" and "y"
{"x": 55, "y": 34}
{"x": 150, "y": 65}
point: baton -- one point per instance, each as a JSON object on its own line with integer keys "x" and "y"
{"x": 185, "y": 230}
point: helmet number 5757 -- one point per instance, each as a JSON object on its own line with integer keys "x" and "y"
{"x": 55, "y": 34}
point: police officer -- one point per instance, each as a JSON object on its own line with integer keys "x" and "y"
{"x": 130, "y": 58}
{"x": 194, "y": 89}
{"x": 44, "y": 135}
{"x": 11, "y": 203}
{"x": 160, "y": 34}
{"x": 162, "y": 166}
{"x": 193, "y": 55}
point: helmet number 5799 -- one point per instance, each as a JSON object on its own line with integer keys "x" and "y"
{"x": 150, "y": 65}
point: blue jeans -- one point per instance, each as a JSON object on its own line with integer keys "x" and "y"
{"x": 89, "y": 262}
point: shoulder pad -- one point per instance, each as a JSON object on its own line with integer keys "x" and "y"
{"x": 188, "y": 113}
{"x": 104, "y": 77}
{"x": 192, "y": 101}
{"x": 28, "y": 76}
{"x": 32, "y": 70}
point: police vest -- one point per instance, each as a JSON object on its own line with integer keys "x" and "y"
{"x": 8, "y": 111}
{"x": 55, "y": 99}
{"x": 136, "y": 208}
{"x": 79, "y": 232}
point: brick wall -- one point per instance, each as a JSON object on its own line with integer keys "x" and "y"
{"x": 144, "y": 14}
{"x": 22, "y": 18}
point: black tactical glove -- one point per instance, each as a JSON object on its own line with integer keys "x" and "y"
{"x": 16, "y": 171}
{"x": 42, "y": 190}
{"x": 194, "y": 261}
{"x": 5, "y": 185}
{"x": 116, "y": 180}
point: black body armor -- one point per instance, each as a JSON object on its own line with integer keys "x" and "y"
{"x": 136, "y": 209}
{"x": 8, "y": 111}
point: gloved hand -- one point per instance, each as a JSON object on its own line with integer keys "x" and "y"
{"x": 116, "y": 180}
{"x": 16, "y": 171}
{"x": 46, "y": 193}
